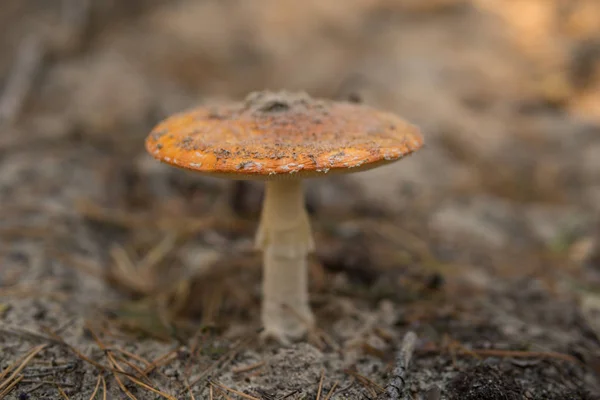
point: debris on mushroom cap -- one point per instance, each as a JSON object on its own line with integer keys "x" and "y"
{"x": 280, "y": 133}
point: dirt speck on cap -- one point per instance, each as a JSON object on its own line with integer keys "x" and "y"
{"x": 266, "y": 102}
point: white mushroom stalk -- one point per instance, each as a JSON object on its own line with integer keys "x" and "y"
{"x": 285, "y": 237}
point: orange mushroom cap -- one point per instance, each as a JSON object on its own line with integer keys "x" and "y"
{"x": 275, "y": 135}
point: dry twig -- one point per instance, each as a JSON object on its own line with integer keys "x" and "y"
{"x": 395, "y": 389}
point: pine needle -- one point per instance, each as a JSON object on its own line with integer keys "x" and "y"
{"x": 224, "y": 359}
{"x": 134, "y": 357}
{"x": 331, "y": 391}
{"x": 247, "y": 368}
{"x": 112, "y": 360}
{"x": 320, "y": 384}
{"x": 79, "y": 354}
{"x": 93, "y": 396}
{"x": 241, "y": 394}
{"x": 62, "y": 393}
{"x": 160, "y": 361}
{"x": 10, "y": 387}
{"x": 104, "y": 391}
{"x": 150, "y": 388}
{"x": 222, "y": 393}
{"x": 187, "y": 385}
{"x": 134, "y": 367}
{"x": 123, "y": 388}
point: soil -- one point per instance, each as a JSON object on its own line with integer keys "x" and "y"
{"x": 122, "y": 274}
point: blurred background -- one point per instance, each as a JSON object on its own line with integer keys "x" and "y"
{"x": 489, "y": 237}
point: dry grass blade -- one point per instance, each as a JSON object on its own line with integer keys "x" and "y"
{"x": 210, "y": 392}
{"x": 62, "y": 393}
{"x": 32, "y": 353}
{"x": 230, "y": 390}
{"x": 320, "y": 389}
{"x": 93, "y": 396}
{"x": 331, "y": 391}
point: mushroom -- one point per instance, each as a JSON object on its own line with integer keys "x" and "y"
{"x": 283, "y": 138}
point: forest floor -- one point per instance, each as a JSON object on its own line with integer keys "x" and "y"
{"x": 123, "y": 276}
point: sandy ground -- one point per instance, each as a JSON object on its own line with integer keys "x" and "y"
{"x": 125, "y": 275}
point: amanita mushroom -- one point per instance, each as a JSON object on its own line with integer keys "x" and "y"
{"x": 283, "y": 138}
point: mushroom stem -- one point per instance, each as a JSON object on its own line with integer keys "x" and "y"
{"x": 285, "y": 238}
